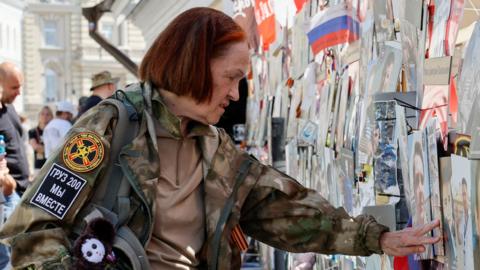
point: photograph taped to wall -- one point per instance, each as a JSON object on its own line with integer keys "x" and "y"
{"x": 307, "y": 132}
{"x": 346, "y": 168}
{"x": 291, "y": 154}
{"x": 398, "y": 7}
{"x": 253, "y": 114}
{"x": 413, "y": 12}
{"x": 352, "y": 105}
{"x": 335, "y": 107}
{"x": 421, "y": 207}
{"x": 475, "y": 127}
{"x": 385, "y": 155}
{"x": 461, "y": 186}
{"x": 292, "y": 128}
{"x": 342, "y": 110}
{"x": 475, "y": 208}
{"x": 407, "y": 100}
{"x": 323, "y": 115}
{"x": 332, "y": 177}
{"x": 366, "y": 48}
{"x": 431, "y": 135}
{"x": 300, "y": 50}
{"x": 366, "y": 130}
{"x": 321, "y": 184}
{"x": 437, "y": 37}
{"x": 382, "y": 10}
{"x": 351, "y": 121}
{"x": 449, "y": 232}
{"x": 391, "y": 65}
{"x": 469, "y": 83}
{"x": 435, "y": 103}
{"x": 401, "y": 134}
{"x": 309, "y": 89}
{"x": 331, "y": 109}
{"x": 454, "y": 19}
{"x": 408, "y": 33}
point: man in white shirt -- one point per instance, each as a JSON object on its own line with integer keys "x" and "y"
{"x": 56, "y": 129}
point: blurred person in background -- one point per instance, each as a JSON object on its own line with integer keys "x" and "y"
{"x": 35, "y": 136}
{"x": 57, "y": 128}
{"x": 11, "y": 127}
{"x": 103, "y": 86}
{"x": 14, "y": 171}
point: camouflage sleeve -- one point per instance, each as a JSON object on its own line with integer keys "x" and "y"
{"x": 38, "y": 238}
{"x": 282, "y": 213}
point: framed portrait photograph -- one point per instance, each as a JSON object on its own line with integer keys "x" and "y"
{"x": 461, "y": 192}
{"x": 432, "y": 135}
{"x": 420, "y": 201}
{"x": 448, "y": 221}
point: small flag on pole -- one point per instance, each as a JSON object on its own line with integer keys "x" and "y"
{"x": 332, "y": 26}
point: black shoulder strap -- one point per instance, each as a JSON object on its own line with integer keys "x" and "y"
{"x": 125, "y": 131}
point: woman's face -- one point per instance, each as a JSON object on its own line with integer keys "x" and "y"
{"x": 227, "y": 71}
{"x": 45, "y": 116}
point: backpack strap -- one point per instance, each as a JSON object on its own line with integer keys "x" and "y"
{"x": 227, "y": 209}
{"x": 125, "y": 131}
{"x": 111, "y": 198}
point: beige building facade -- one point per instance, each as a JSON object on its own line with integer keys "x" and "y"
{"x": 59, "y": 56}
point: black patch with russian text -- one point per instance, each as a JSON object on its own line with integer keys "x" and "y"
{"x": 58, "y": 191}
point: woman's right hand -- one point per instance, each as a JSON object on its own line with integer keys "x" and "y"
{"x": 409, "y": 240}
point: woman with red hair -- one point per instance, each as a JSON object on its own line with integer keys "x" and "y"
{"x": 191, "y": 195}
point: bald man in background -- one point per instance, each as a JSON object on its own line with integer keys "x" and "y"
{"x": 11, "y": 81}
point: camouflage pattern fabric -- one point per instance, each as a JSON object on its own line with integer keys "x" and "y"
{"x": 270, "y": 206}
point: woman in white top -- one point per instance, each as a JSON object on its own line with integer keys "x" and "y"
{"x": 56, "y": 129}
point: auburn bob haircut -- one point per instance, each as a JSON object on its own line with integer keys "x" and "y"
{"x": 179, "y": 59}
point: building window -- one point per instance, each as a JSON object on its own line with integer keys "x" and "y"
{"x": 107, "y": 31}
{"x": 122, "y": 34}
{"x": 7, "y": 35}
{"x": 51, "y": 85}
{"x": 50, "y": 33}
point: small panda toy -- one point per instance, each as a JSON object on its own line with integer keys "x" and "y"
{"x": 93, "y": 249}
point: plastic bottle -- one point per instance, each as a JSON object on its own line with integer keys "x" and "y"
{"x": 3, "y": 148}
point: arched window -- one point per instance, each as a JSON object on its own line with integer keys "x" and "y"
{"x": 51, "y": 85}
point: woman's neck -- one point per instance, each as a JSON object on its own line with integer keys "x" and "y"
{"x": 178, "y": 107}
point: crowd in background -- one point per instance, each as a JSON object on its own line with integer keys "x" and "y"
{"x": 28, "y": 147}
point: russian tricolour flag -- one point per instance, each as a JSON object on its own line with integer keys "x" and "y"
{"x": 332, "y": 26}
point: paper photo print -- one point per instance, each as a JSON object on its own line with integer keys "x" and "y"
{"x": 409, "y": 37}
{"x": 385, "y": 155}
{"x": 448, "y": 221}
{"x": 431, "y": 135}
{"x": 382, "y": 10}
{"x": 461, "y": 192}
{"x": 391, "y": 66}
{"x": 435, "y": 104}
{"x": 418, "y": 163}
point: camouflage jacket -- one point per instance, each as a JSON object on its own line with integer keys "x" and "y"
{"x": 268, "y": 205}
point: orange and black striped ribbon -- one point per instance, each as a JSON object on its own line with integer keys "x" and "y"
{"x": 238, "y": 238}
